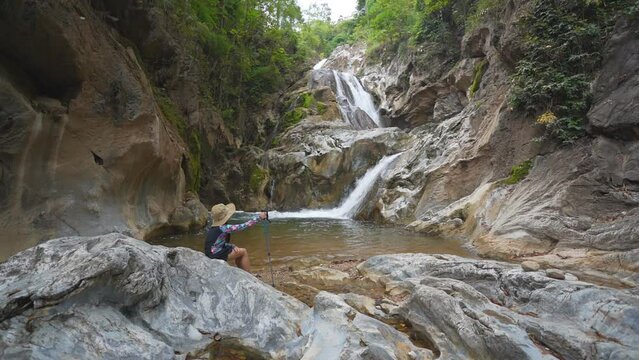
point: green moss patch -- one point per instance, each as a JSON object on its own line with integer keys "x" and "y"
{"x": 258, "y": 175}
{"x": 293, "y": 117}
{"x": 518, "y": 173}
{"x": 480, "y": 69}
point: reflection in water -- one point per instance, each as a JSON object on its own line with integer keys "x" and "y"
{"x": 324, "y": 238}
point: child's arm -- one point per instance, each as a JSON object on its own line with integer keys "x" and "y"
{"x": 239, "y": 227}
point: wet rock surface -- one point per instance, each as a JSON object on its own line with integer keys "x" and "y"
{"x": 318, "y": 162}
{"x": 484, "y": 309}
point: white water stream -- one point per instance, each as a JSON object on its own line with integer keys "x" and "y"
{"x": 352, "y": 96}
{"x": 320, "y": 64}
{"x": 353, "y": 202}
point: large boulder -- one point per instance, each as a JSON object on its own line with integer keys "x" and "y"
{"x": 485, "y": 309}
{"x": 114, "y": 297}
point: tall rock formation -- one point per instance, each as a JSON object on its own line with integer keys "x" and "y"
{"x": 84, "y": 147}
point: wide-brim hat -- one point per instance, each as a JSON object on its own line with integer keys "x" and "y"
{"x": 222, "y": 213}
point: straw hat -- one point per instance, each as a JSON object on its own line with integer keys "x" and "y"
{"x": 222, "y": 213}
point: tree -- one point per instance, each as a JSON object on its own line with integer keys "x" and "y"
{"x": 321, "y": 12}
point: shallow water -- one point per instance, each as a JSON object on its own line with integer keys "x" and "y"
{"x": 329, "y": 239}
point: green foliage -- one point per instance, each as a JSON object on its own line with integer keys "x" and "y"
{"x": 249, "y": 47}
{"x": 387, "y": 23}
{"x": 563, "y": 52}
{"x": 518, "y": 173}
{"x": 258, "y": 175}
{"x": 480, "y": 69}
{"x": 307, "y": 100}
{"x": 318, "y": 38}
{"x": 481, "y": 10}
{"x": 321, "y": 108}
{"x": 277, "y": 141}
{"x": 293, "y": 117}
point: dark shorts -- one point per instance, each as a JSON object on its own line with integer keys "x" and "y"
{"x": 225, "y": 252}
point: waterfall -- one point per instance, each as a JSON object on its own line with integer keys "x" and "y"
{"x": 356, "y": 104}
{"x": 353, "y": 202}
{"x": 320, "y": 64}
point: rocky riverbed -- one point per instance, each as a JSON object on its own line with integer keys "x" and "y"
{"x": 116, "y": 297}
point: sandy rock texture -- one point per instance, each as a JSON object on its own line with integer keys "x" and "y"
{"x": 85, "y": 148}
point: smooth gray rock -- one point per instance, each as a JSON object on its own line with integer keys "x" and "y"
{"x": 484, "y": 309}
{"x": 615, "y": 111}
{"x": 114, "y": 297}
{"x": 342, "y": 333}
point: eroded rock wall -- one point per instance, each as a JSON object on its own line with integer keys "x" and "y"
{"x": 577, "y": 206}
{"x": 84, "y": 147}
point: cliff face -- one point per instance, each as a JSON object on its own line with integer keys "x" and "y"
{"x": 84, "y": 147}
{"x": 578, "y": 203}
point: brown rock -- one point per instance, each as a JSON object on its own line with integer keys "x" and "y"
{"x": 571, "y": 277}
{"x": 530, "y": 265}
{"x": 555, "y": 274}
{"x": 321, "y": 277}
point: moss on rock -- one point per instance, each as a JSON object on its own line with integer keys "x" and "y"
{"x": 293, "y": 117}
{"x": 518, "y": 173}
{"x": 189, "y": 136}
{"x": 480, "y": 69}
{"x": 258, "y": 176}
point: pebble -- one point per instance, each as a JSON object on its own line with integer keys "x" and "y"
{"x": 530, "y": 265}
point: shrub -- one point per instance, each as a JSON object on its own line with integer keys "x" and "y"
{"x": 564, "y": 40}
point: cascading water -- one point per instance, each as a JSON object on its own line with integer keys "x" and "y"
{"x": 320, "y": 64}
{"x": 356, "y": 104}
{"x": 353, "y": 202}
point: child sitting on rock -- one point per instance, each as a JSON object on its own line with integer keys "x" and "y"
{"x": 218, "y": 236}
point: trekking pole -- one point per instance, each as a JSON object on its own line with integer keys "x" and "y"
{"x": 267, "y": 237}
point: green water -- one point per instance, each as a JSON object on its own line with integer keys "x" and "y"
{"x": 328, "y": 239}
